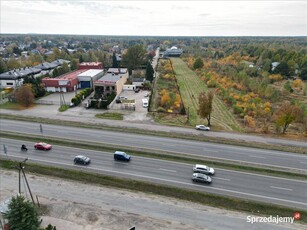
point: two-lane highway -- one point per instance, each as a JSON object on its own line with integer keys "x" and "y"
{"x": 225, "y": 182}
{"x": 284, "y": 160}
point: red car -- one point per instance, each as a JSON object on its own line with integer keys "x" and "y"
{"x": 42, "y": 146}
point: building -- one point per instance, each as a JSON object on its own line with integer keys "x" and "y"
{"x": 87, "y": 78}
{"x": 65, "y": 83}
{"x": 173, "y": 52}
{"x": 112, "y": 81}
{"x": 91, "y": 65}
{"x": 15, "y": 78}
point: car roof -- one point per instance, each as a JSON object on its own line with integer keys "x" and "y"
{"x": 202, "y": 175}
{"x": 119, "y": 152}
{"x": 201, "y": 166}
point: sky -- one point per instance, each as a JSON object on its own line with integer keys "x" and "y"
{"x": 155, "y": 18}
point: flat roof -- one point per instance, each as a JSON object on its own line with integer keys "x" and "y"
{"x": 91, "y": 72}
{"x": 90, "y": 64}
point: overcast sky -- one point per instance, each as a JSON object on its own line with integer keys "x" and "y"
{"x": 168, "y": 18}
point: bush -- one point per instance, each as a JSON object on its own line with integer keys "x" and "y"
{"x": 237, "y": 109}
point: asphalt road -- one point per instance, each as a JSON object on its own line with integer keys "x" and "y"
{"x": 270, "y": 158}
{"x": 226, "y": 182}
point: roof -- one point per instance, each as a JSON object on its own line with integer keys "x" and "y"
{"x": 91, "y": 72}
{"x": 118, "y": 70}
{"x": 68, "y": 76}
{"x": 109, "y": 78}
{"x": 90, "y": 64}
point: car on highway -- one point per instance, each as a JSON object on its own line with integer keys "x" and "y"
{"x": 202, "y": 127}
{"x": 199, "y": 177}
{"x": 42, "y": 146}
{"x": 203, "y": 169}
{"x": 82, "y": 160}
{"x": 121, "y": 156}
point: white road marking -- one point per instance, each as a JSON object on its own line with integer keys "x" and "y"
{"x": 303, "y": 163}
{"x": 220, "y": 178}
{"x": 168, "y": 170}
{"x": 179, "y": 182}
{"x": 288, "y": 189}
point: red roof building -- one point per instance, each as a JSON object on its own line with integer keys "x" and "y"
{"x": 64, "y": 83}
{"x": 91, "y": 65}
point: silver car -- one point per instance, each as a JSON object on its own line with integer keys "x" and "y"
{"x": 199, "y": 177}
{"x": 203, "y": 169}
{"x": 202, "y": 127}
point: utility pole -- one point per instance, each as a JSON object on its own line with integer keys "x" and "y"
{"x": 20, "y": 169}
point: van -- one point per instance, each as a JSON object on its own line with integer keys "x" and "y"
{"x": 121, "y": 156}
{"x": 145, "y": 103}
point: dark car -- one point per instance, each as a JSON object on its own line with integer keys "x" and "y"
{"x": 121, "y": 156}
{"x": 82, "y": 160}
{"x": 118, "y": 100}
{"x": 42, "y": 146}
{"x": 137, "y": 90}
{"x": 199, "y": 177}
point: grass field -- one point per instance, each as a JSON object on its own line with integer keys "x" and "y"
{"x": 191, "y": 86}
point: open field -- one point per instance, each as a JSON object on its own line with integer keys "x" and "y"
{"x": 190, "y": 87}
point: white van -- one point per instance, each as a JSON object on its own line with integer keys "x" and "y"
{"x": 145, "y": 103}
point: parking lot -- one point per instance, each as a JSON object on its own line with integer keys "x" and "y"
{"x": 131, "y": 95}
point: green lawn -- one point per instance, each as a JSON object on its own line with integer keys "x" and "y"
{"x": 191, "y": 86}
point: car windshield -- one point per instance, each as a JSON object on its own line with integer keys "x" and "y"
{"x": 43, "y": 144}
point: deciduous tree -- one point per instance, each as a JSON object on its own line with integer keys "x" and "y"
{"x": 198, "y": 64}
{"x": 286, "y": 115}
{"x": 24, "y": 95}
{"x": 134, "y": 57}
{"x": 205, "y": 102}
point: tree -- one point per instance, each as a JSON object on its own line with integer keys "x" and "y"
{"x": 134, "y": 57}
{"x": 303, "y": 74}
{"x": 198, "y": 64}
{"x": 149, "y": 72}
{"x": 205, "y": 105}
{"x": 22, "y": 214}
{"x": 114, "y": 61}
{"x": 287, "y": 114}
{"x": 3, "y": 67}
{"x": 24, "y": 95}
{"x": 282, "y": 69}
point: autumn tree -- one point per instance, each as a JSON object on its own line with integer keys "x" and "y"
{"x": 22, "y": 214}
{"x": 198, "y": 64}
{"x": 24, "y": 95}
{"x": 286, "y": 115}
{"x": 3, "y": 66}
{"x": 205, "y": 102}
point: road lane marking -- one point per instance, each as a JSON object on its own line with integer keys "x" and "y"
{"x": 179, "y": 182}
{"x": 303, "y": 162}
{"x": 220, "y": 178}
{"x": 167, "y": 170}
{"x": 288, "y": 189}
{"x": 256, "y": 157}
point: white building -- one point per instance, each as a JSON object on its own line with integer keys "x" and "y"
{"x": 87, "y": 78}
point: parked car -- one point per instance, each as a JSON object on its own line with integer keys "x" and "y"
{"x": 121, "y": 156}
{"x": 199, "y": 177}
{"x": 42, "y": 146}
{"x": 203, "y": 169}
{"x": 137, "y": 90}
{"x": 82, "y": 160}
{"x": 146, "y": 95}
{"x": 118, "y": 100}
{"x": 202, "y": 127}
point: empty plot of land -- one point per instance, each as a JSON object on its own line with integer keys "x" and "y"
{"x": 190, "y": 87}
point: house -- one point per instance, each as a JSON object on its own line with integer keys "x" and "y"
{"x": 87, "y": 78}
{"x": 173, "y": 52}
{"x": 65, "y": 83}
{"x": 274, "y": 65}
{"x": 112, "y": 81}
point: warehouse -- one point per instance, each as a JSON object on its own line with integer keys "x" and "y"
{"x": 87, "y": 78}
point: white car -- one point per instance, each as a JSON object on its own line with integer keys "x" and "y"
{"x": 202, "y": 127}
{"x": 203, "y": 169}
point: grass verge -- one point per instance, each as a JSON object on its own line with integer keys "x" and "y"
{"x": 218, "y": 140}
{"x": 112, "y": 116}
{"x": 63, "y": 108}
{"x": 183, "y": 158}
{"x": 229, "y": 203}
